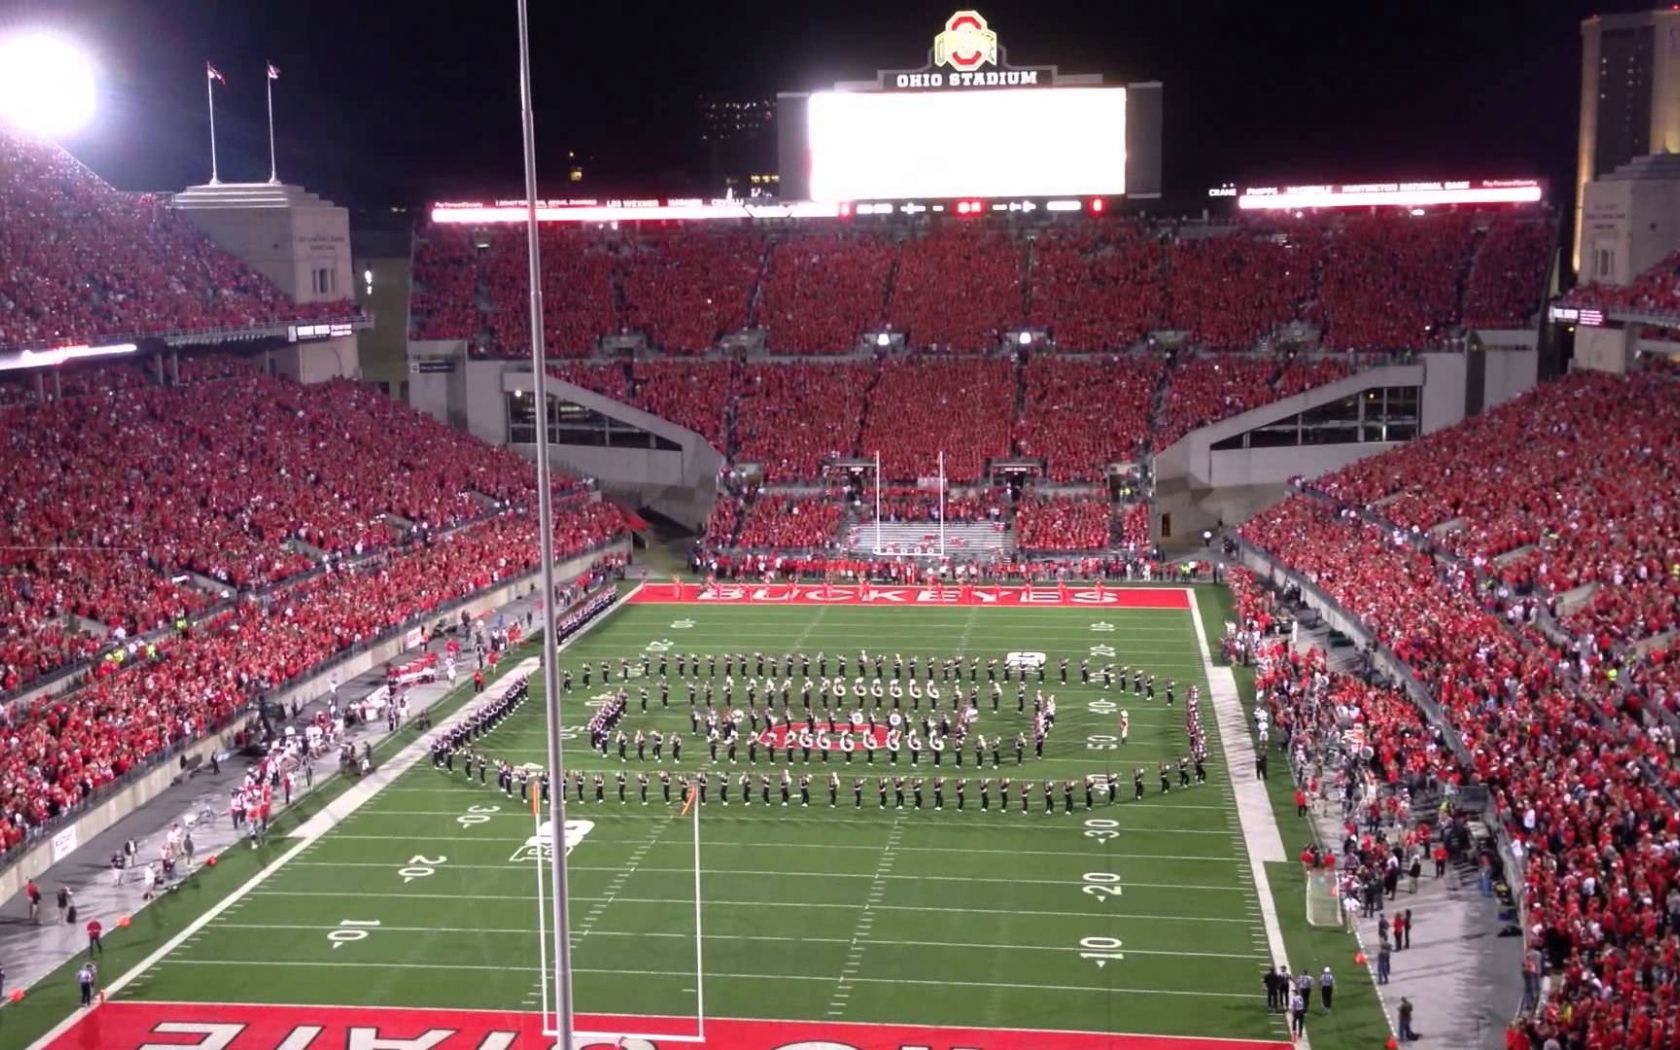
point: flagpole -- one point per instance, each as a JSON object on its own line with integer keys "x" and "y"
{"x": 562, "y": 959}
{"x": 273, "y": 169}
{"x": 210, "y": 93}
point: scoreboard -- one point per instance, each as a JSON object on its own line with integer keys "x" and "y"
{"x": 970, "y": 125}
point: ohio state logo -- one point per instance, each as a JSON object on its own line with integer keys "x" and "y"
{"x": 966, "y": 44}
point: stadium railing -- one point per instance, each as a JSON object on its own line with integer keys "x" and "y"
{"x": 1271, "y": 568}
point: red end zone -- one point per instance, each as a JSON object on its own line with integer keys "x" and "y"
{"x": 973, "y": 596}
{"x": 137, "y": 1025}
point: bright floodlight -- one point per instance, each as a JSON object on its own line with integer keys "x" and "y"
{"x": 46, "y": 85}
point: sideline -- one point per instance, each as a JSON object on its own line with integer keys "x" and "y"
{"x": 1261, "y": 837}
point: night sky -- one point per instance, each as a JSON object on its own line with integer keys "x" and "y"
{"x": 384, "y": 104}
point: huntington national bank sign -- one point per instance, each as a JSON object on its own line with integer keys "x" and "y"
{"x": 966, "y": 54}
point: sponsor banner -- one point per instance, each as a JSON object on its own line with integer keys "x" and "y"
{"x": 140, "y": 1025}
{"x": 64, "y": 843}
{"x": 1050, "y": 596}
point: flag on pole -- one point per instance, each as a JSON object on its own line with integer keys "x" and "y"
{"x": 273, "y": 71}
{"x": 215, "y": 74}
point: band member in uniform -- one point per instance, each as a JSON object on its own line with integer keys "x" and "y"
{"x": 898, "y": 792}
{"x": 1165, "y": 787}
{"x": 1184, "y": 772}
{"x": 1049, "y": 797}
{"x": 857, "y": 793}
{"x": 1020, "y": 748}
{"x": 1087, "y": 792}
{"x": 881, "y": 791}
{"x": 641, "y": 786}
{"x": 1137, "y": 784}
{"x": 938, "y": 792}
{"x": 1026, "y": 787}
{"x": 833, "y": 790}
{"x": 621, "y": 784}
{"x": 723, "y": 789}
{"x": 1067, "y": 797}
{"x": 962, "y": 789}
{"x": 805, "y": 789}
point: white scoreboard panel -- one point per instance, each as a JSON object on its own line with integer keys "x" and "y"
{"x": 1027, "y": 142}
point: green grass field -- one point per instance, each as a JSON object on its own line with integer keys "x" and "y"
{"x": 1136, "y": 917}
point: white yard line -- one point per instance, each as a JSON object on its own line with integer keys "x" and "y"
{"x": 1262, "y": 842}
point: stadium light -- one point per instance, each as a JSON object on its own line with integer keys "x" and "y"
{"x": 47, "y": 85}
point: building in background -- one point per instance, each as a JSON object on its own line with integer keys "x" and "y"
{"x": 738, "y": 137}
{"x": 1630, "y": 96}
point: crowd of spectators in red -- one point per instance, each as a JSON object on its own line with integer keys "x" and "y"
{"x": 957, "y": 288}
{"x": 64, "y": 748}
{"x": 924, "y": 406}
{"x": 1062, "y": 523}
{"x": 1082, "y": 413}
{"x": 1228, "y": 292}
{"x": 1383, "y": 281}
{"x": 1576, "y": 776}
{"x": 790, "y": 418}
{"x": 1100, "y": 286}
{"x": 443, "y": 302}
{"x": 787, "y": 522}
{"x": 694, "y": 394}
{"x": 822, "y": 290}
{"x": 686, "y": 291}
{"x": 1502, "y": 291}
{"x": 84, "y": 262}
{"x": 1656, "y": 290}
{"x": 1569, "y": 485}
{"x": 1391, "y": 280}
{"x": 112, "y": 496}
{"x": 904, "y": 503}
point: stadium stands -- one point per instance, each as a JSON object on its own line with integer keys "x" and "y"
{"x": 87, "y": 263}
{"x": 114, "y": 496}
{"x": 687, "y": 291}
{"x": 922, "y": 406}
{"x": 1502, "y": 291}
{"x": 693, "y": 394}
{"x": 784, "y": 522}
{"x": 822, "y": 290}
{"x": 1098, "y": 287}
{"x": 1391, "y": 281}
{"x": 1558, "y": 490}
{"x": 1582, "y": 777}
{"x": 1656, "y": 290}
{"x": 1082, "y": 413}
{"x": 957, "y": 288}
{"x": 1062, "y": 523}
{"x": 1228, "y": 292}
{"x": 790, "y": 418}
{"x": 1375, "y": 282}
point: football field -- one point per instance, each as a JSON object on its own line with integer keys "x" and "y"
{"x": 1122, "y": 915}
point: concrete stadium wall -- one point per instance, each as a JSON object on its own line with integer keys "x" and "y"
{"x": 1192, "y": 456}
{"x": 147, "y": 786}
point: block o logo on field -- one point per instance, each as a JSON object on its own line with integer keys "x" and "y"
{"x": 541, "y": 845}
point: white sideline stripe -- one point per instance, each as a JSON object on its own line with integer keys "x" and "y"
{"x": 528, "y": 931}
{"x": 393, "y": 766}
{"x": 1262, "y": 841}
{"x": 475, "y": 967}
{"x": 350, "y": 836}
